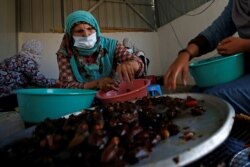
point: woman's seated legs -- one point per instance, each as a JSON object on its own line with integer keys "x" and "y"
{"x": 236, "y": 92}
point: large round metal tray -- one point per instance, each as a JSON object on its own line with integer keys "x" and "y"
{"x": 211, "y": 129}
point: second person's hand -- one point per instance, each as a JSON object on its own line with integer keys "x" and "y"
{"x": 232, "y": 45}
{"x": 179, "y": 66}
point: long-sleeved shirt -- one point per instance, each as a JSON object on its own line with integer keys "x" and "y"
{"x": 221, "y": 28}
{"x": 20, "y": 72}
{"x": 67, "y": 78}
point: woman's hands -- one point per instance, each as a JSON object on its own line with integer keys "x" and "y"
{"x": 127, "y": 70}
{"x": 227, "y": 46}
{"x": 180, "y": 66}
{"x": 107, "y": 84}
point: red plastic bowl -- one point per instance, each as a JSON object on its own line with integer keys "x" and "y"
{"x": 128, "y": 91}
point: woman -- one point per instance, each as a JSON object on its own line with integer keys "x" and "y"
{"x": 21, "y": 71}
{"x": 234, "y": 18}
{"x": 88, "y": 60}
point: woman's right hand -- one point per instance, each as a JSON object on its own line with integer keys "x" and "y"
{"x": 107, "y": 84}
{"x": 179, "y": 66}
{"x": 126, "y": 70}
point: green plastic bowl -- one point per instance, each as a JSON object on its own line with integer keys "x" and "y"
{"x": 217, "y": 70}
{"x": 37, "y": 104}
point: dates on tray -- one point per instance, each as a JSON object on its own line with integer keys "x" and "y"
{"x": 112, "y": 135}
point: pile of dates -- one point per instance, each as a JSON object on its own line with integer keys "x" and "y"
{"x": 114, "y": 135}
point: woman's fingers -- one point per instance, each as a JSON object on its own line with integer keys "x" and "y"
{"x": 107, "y": 84}
{"x": 111, "y": 86}
{"x": 184, "y": 75}
{"x": 114, "y": 87}
{"x": 180, "y": 66}
{"x": 126, "y": 71}
{"x": 171, "y": 81}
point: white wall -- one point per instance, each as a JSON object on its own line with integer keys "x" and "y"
{"x": 186, "y": 28}
{"x": 160, "y": 47}
{"x": 148, "y": 42}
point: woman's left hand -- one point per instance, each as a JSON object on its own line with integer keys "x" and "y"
{"x": 127, "y": 70}
{"x": 107, "y": 84}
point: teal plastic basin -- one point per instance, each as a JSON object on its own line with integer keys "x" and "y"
{"x": 217, "y": 70}
{"x": 35, "y": 105}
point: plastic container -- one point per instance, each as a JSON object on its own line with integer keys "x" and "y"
{"x": 128, "y": 91}
{"x": 217, "y": 70}
{"x": 37, "y": 104}
{"x": 241, "y": 159}
{"x": 154, "y": 90}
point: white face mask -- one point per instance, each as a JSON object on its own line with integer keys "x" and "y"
{"x": 85, "y": 42}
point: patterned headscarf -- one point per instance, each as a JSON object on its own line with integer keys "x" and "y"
{"x": 32, "y": 49}
{"x": 86, "y": 17}
{"x": 102, "y": 43}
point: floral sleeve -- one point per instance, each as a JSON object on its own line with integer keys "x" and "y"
{"x": 66, "y": 76}
{"x": 31, "y": 70}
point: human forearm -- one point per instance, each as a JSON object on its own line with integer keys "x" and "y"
{"x": 246, "y": 45}
{"x": 138, "y": 66}
{"x": 191, "y": 51}
{"x": 221, "y": 28}
{"x": 70, "y": 84}
{"x": 202, "y": 43}
{"x": 75, "y": 84}
{"x": 92, "y": 85}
